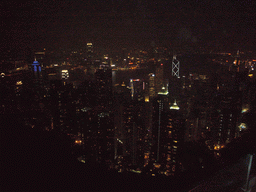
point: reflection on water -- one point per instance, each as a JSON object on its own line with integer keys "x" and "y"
{"x": 124, "y": 76}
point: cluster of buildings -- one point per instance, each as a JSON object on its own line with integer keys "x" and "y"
{"x": 142, "y": 126}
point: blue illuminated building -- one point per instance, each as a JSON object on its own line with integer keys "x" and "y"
{"x": 36, "y": 69}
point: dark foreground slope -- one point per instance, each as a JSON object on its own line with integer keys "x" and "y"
{"x": 34, "y": 160}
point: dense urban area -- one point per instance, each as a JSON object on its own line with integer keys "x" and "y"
{"x": 158, "y": 117}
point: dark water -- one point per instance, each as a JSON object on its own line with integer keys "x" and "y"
{"x": 124, "y": 76}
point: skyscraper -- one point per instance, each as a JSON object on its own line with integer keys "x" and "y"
{"x": 36, "y": 69}
{"x": 175, "y": 67}
{"x": 159, "y": 78}
{"x": 167, "y": 136}
{"x": 103, "y": 77}
{"x": 152, "y": 91}
{"x": 89, "y": 51}
{"x": 175, "y": 131}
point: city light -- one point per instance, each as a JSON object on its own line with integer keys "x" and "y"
{"x": 175, "y": 106}
{"x": 64, "y": 74}
{"x": 119, "y": 141}
{"x": 78, "y": 141}
{"x": 242, "y": 126}
{"x": 115, "y": 106}
{"x": 244, "y": 110}
{"x": 146, "y": 98}
{"x": 19, "y": 83}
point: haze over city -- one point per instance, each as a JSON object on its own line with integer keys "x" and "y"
{"x": 128, "y": 95}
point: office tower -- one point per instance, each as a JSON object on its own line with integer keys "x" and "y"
{"x": 148, "y": 131}
{"x": 159, "y": 78}
{"x": 175, "y": 131}
{"x": 137, "y": 89}
{"x": 124, "y": 130}
{"x": 96, "y": 130}
{"x": 104, "y": 137}
{"x": 175, "y": 83}
{"x": 167, "y": 137}
{"x": 64, "y": 74}
{"x": 62, "y": 107}
{"x": 227, "y": 119}
{"x": 175, "y": 67}
{"x": 159, "y": 119}
{"x": 67, "y": 110}
{"x": 130, "y": 128}
{"x": 175, "y": 88}
{"x": 87, "y": 126}
{"x": 40, "y": 57}
{"x": 152, "y": 91}
{"x": 105, "y": 117}
{"x": 103, "y": 78}
{"x": 36, "y": 69}
{"x": 89, "y": 52}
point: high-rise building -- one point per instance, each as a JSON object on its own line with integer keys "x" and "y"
{"x": 175, "y": 67}
{"x": 175, "y": 133}
{"x": 137, "y": 89}
{"x": 89, "y": 51}
{"x": 227, "y": 120}
{"x": 97, "y": 134}
{"x": 40, "y": 56}
{"x": 160, "y": 107}
{"x": 131, "y": 131}
{"x": 103, "y": 77}
{"x": 104, "y": 137}
{"x": 152, "y": 91}
{"x": 36, "y": 69}
{"x": 159, "y": 78}
{"x": 167, "y": 137}
{"x": 64, "y": 74}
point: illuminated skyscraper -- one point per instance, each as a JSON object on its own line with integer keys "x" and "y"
{"x": 175, "y": 130}
{"x": 137, "y": 89}
{"x": 152, "y": 91}
{"x": 160, "y": 107}
{"x": 89, "y": 57}
{"x": 167, "y": 135}
{"x": 227, "y": 119}
{"x": 64, "y": 74}
{"x": 89, "y": 50}
{"x": 130, "y": 123}
{"x": 40, "y": 56}
{"x": 36, "y": 69}
{"x": 175, "y": 67}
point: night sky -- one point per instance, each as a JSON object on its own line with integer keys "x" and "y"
{"x": 114, "y": 24}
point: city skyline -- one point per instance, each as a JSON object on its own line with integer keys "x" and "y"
{"x": 128, "y": 95}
